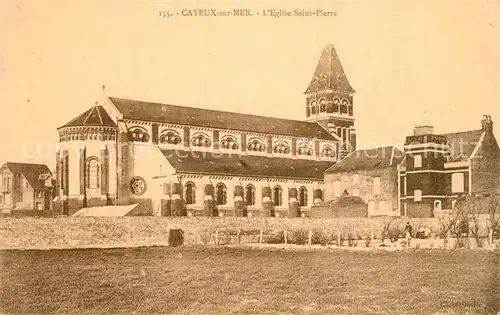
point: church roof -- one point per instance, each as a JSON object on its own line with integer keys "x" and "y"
{"x": 95, "y": 116}
{"x": 329, "y": 73}
{"x": 462, "y": 144}
{"x": 245, "y": 165}
{"x": 30, "y": 171}
{"x": 368, "y": 159}
{"x": 132, "y": 109}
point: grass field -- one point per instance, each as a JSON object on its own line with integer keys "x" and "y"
{"x": 235, "y": 280}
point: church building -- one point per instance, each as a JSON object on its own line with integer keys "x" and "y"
{"x": 177, "y": 161}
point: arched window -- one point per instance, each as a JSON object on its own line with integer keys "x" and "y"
{"x": 201, "y": 140}
{"x": 313, "y": 108}
{"x": 327, "y": 151}
{"x": 170, "y": 137}
{"x": 277, "y": 196}
{"x": 190, "y": 193}
{"x": 250, "y": 195}
{"x": 322, "y": 106}
{"x": 229, "y": 143}
{"x": 305, "y": 149}
{"x": 138, "y": 135}
{"x": 343, "y": 108}
{"x": 308, "y": 111}
{"x": 350, "y": 110}
{"x": 281, "y": 148}
{"x": 92, "y": 180}
{"x": 336, "y": 105}
{"x": 221, "y": 194}
{"x": 303, "y": 197}
{"x": 256, "y": 145}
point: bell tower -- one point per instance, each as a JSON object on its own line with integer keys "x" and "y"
{"x": 329, "y": 99}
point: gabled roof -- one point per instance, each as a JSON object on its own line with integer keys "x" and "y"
{"x": 369, "y": 159}
{"x": 31, "y": 172}
{"x": 329, "y": 73}
{"x": 245, "y": 165}
{"x": 463, "y": 144}
{"x": 132, "y": 109}
{"x": 95, "y": 116}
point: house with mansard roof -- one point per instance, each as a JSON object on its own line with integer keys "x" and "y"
{"x": 438, "y": 169}
{"x": 427, "y": 178}
{"x": 178, "y": 160}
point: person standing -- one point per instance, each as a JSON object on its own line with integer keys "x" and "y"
{"x": 408, "y": 232}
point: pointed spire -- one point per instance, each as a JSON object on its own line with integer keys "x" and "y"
{"x": 329, "y": 73}
{"x": 103, "y": 98}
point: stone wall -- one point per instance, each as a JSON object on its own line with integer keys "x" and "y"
{"x": 364, "y": 186}
{"x": 108, "y": 232}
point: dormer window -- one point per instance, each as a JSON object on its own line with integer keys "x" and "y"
{"x": 201, "y": 140}
{"x": 170, "y": 137}
{"x": 229, "y": 143}
{"x": 138, "y": 135}
{"x": 305, "y": 149}
{"x": 281, "y": 148}
{"x": 256, "y": 145}
{"x": 328, "y": 152}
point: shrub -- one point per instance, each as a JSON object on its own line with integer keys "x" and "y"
{"x": 394, "y": 233}
{"x": 225, "y": 238}
{"x": 299, "y": 237}
{"x": 278, "y": 238}
{"x": 368, "y": 240}
{"x": 334, "y": 237}
{"x": 353, "y": 240}
{"x": 205, "y": 237}
{"x": 320, "y": 237}
{"x": 343, "y": 238}
{"x": 461, "y": 242}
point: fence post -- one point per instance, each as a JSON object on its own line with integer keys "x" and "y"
{"x": 310, "y": 238}
{"x": 371, "y": 236}
{"x": 194, "y": 238}
{"x": 338, "y": 238}
{"x": 490, "y": 237}
{"x": 286, "y": 237}
{"x": 238, "y": 236}
{"x": 260, "y": 237}
{"x": 217, "y": 237}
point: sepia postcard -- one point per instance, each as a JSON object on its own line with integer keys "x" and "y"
{"x": 250, "y": 157}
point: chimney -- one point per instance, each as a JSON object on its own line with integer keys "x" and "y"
{"x": 487, "y": 124}
{"x": 422, "y": 130}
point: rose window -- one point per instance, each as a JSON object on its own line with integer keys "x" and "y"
{"x": 138, "y": 185}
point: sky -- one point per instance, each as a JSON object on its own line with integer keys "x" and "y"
{"x": 417, "y": 62}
